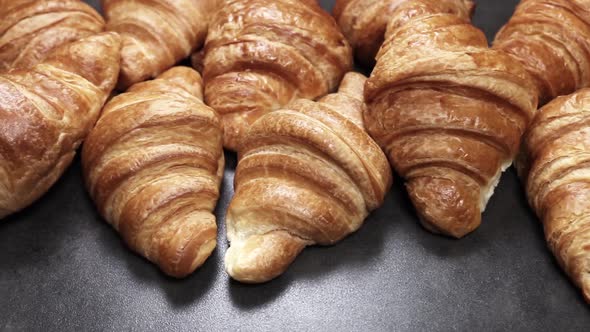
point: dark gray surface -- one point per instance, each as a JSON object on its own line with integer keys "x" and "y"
{"x": 62, "y": 268}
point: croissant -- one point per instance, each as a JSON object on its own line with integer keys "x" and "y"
{"x": 262, "y": 54}
{"x": 364, "y": 22}
{"x": 307, "y": 174}
{"x": 557, "y": 147}
{"x": 448, "y": 111}
{"x": 551, "y": 38}
{"x": 153, "y": 165}
{"x": 32, "y": 29}
{"x": 156, "y": 34}
{"x": 46, "y": 112}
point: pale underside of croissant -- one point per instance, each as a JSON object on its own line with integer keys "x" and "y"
{"x": 307, "y": 174}
{"x": 262, "y": 54}
{"x": 557, "y": 147}
{"x": 364, "y": 22}
{"x": 156, "y": 34}
{"x": 31, "y": 29}
{"x": 448, "y": 111}
{"x": 153, "y": 165}
{"x": 551, "y": 38}
{"x": 46, "y": 112}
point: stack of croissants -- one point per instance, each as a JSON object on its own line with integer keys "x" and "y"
{"x": 314, "y": 140}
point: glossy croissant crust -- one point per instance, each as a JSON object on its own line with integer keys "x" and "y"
{"x": 307, "y": 174}
{"x": 364, "y": 22}
{"x": 32, "y": 29}
{"x": 153, "y": 165}
{"x": 156, "y": 34}
{"x": 449, "y": 112}
{"x": 551, "y": 38}
{"x": 46, "y": 112}
{"x": 557, "y": 152}
{"x": 262, "y": 54}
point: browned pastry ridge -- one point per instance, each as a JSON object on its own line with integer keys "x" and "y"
{"x": 46, "y": 112}
{"x": 156, "y": 34}
{"x": 558, "y": 149}
{"x": 364, "y": 21}
{"x": 307, "y": 174}
{"x": 153, "y": 165}
{"x": 448, "y": 111}
{"x": 262, "y": 54}
{"x": 31, "y": 29}
{"x": 551, "y": 38}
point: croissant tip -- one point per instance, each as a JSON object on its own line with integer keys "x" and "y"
{"x": 446, "y": 206}
{"x": 261, "y": 258}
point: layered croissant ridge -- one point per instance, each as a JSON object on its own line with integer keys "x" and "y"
{"x": 32, "y": 29}
{"x": 551, "y": 39}
{"x": 261, "y": 54}
{"x": 364, "y": 22}
{"x": 156, "y": 34}
{"x": 557, "y": 147}
{"x": 448, "y": 111}
{"x": 307, "y": 174}
{"x": 153, "y": 165}
{"x": 45, "y": 113}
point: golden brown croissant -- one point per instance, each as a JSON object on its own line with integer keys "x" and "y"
{"x": 448, "y": 111}
{"x": 364, "y": 21}
{"x": 46, "y": 112}
{"x": 156, "y": 34}
{"x": 153, "y": 165}
{"x": 551, "y": 38}
{"x": 262, "y": 54}
{"x": 31, "y": 29}
{"x": 307, "y": 174}
{"x": 557, "y": 147}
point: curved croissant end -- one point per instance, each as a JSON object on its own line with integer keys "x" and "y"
{"x": 558, "y": 151}
{"x": 262, "y": 54}
{"x": 32, "y": 29}
{"x": 364, "y": 22}
{"x": 153, "y": 165}
{"x": 156, "y": 34}
{"x": 307, "y": 174}
{"x": 449, "y": 112}
{"x": 46, "y": 112}
{"x": 551, "y": 38}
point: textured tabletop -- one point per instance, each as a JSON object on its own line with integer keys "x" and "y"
{"x": 63, "y": 269}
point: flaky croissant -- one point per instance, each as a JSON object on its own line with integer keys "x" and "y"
{"x": 46, "y": 112}
{"x": 153, "y": 165}
{"x": 448, "y": 111}
{"x": 156, "y": 34}
{"x": 557, "y": 149}
{"x": 262, "y": 54}
{"x": 364, "y": 21}
{"x": 31, "y": 29}
{"x": 307, "y": 174}
{"x": 551, "y": 38}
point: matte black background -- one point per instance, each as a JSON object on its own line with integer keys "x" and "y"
{"x": 62, "y": 268}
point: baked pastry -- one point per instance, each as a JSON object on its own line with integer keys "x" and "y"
{"x": 153, "y": 165}
{"x": 307, "y": 174}
{"x": 262, "y": 54}
{"x": 31, "y": 29}
{"x": 364, "y": 21}
{"x": 557, "y": 152}
{"x": 46, "y": 112}
{"x": 551, "y": 38}
{"x": 448, "y": 111}
{"x": 156, "y": 34}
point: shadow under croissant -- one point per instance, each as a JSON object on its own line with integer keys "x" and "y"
{"x": 316, "y": 262}
{"x": 39, "y": 232}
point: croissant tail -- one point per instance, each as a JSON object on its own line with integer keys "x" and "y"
{"x": 261, "y": 258}
{"x": 444, "y": 203}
